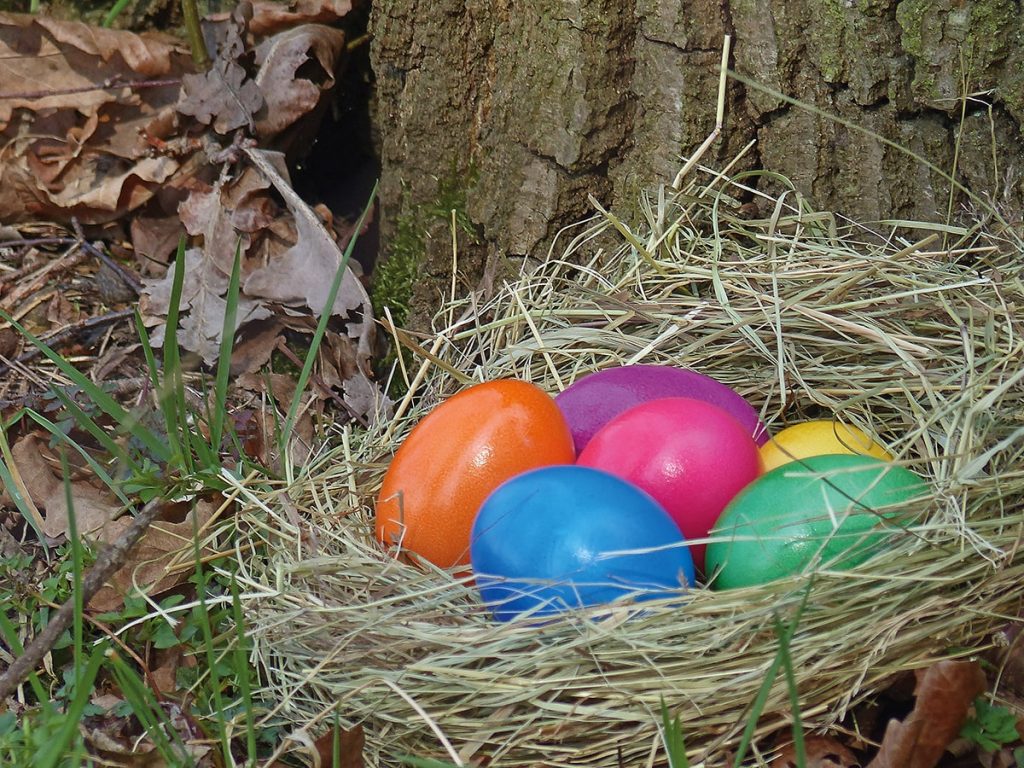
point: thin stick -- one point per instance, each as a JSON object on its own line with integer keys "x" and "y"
{"x": 61, "y": 336}
{"x": 110, "y": 561}
{"x": 106, "y": 85}
{"x": 719, "y": 117}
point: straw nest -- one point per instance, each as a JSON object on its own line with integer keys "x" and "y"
{"x": 910, "y": 333}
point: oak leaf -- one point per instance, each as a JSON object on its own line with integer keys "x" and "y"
{"x": 944, "y": 692}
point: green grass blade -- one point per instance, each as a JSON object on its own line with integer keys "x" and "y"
{"x": 172, "y": 389}
{"x": 76, "y": 563}
{"x": 794, "y": 695}
{"x": 10, "y": 635}
{"x": 762, "y": 695}
{"x": 103, "y": 401}
{"x": 114, "y": 12}
{"x": 94, "y": 465}
{"x": 242, "y": 671}
{"x": 27, "y": 511}
{"x": 672, "y": 735}
{"x": 52, "y": 754}
{"x": 88, "y": 424}
{"x": 321, "y": 328}
{"x": 336, "y": 742}
{"x": 227, "y": 343}
{"x": 147, "y": 351}
{"x": 203, "y": 616}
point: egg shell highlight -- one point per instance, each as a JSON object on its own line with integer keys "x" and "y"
{"x": 826, "y": 509}
{"x": 564, "y": 537}
{"x": 818, "y": 438}
{"x": 594, "y": 400}
{"x": 691, "y": 456}
{"x": 456, "y": 456}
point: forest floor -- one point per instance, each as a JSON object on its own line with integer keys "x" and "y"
{"x": 119, "y": 164}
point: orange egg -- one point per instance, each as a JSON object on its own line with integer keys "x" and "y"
{"x": 457, "y": 455}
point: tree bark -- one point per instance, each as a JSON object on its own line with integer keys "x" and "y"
{"x": 533, "y": 105}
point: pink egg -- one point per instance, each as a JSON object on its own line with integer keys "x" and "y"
{"x": 691, "y": 456}
{"x": 594, "y": 400}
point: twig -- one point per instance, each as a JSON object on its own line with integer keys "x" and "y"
{"x": 74, "y": 256}
{"x": 25, "y": 243}
{"x": 106, "y": 85}
{"x": 63, "y": 334}
{"x": 126, "y": 277}
{"x": 110, "y": 560}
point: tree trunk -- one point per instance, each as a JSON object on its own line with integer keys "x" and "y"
{"x": 530, "y": 106}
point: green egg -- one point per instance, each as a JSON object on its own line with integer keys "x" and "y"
{"x": 823, "y": 509}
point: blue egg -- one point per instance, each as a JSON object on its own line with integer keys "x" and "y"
{"x": 563, "y": 537}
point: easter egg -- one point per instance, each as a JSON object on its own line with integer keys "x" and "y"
{"x": 825, "y": 509}
{"x": 816, "y": 438}
{"x": 563, "y": 537}
{"x": 457, "y": 455}
{"x": 594, "y": 400}
{"x": 691, "y": 456}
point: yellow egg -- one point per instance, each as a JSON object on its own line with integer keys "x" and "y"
{"x": 818, "y": 438}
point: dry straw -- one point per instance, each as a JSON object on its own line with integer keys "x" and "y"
{"x": 910, "y": 333}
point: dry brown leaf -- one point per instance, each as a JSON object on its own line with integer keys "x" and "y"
{"x": 289, "y": 95}
{"x": 945, "y": 692}
{"x": 819, "y": 752}
{"x": 94, "y": 509}
{"x": 302, "y": 275}
{"x": 154, "y": 239}
{"x": 150, "y": 565}
{"x": 115, "y": 741}
{"x": 350, "y": 748}
{"x": 224, "y": 96}
{"x": 43, "y": 59}
{"x": 270, "y": 16}
{"x": 164, "y": 670}
{"x": 204, "y": 305}
{"x": 75, "y": 145}
{"x": 255, "y": 346}
{"x": 346, "y": 369}
{"x": 225, "y": 215}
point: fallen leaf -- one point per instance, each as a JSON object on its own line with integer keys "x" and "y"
{"x": 272, "y": 16}
{"x": 302, "y": 275}
{"x": 117, "y": 741}
{"x": 94, "y": 509}
{"x": 254, "y": 346}
{"x": 155, "y": 239}
{"x": 203, "y": 305}
{"x": 38, "y": 58}
{"x": 161, "y": 559}
{"x": 944, "y": 692}
{"x": 224, "y": 96}
{"x": 350, "y": 748}
{"x": 76, "y": 130}
{"x": 291, "y": 88}
{"x": 164, "y": 671}
{"x": 819, "y": 752}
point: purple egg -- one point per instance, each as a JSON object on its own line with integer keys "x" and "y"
{"x": 596, "y": 399}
